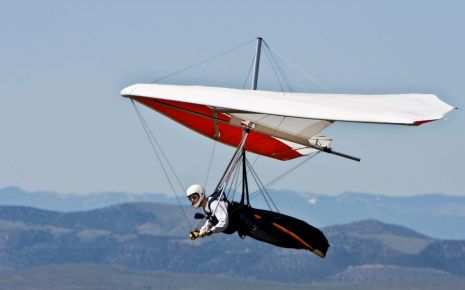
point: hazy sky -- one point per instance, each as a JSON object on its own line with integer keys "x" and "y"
{"x": 64, "y": 126}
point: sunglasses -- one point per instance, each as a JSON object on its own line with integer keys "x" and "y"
{"x": 194, "y": 196}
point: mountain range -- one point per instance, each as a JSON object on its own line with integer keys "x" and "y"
{"x": 435, "y": 215}
{"x": 153, "y": 237}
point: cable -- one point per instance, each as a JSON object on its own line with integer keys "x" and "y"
{"x": 203, "y": 61}
{"x": 261, "y": 184}
{"x": 277, "y": 179}
{"x": 250, "y": 70}
{"x": 161, "y": 150}
{"x": 305, "y": 74}
{"x": 237, "y": 182}
{"x": 274, "y": 70}
{"x": 210, "y": 164}
{"x": 233, "y": 181}
{"x": 285, "y": 69}
{"x": 287, "y": 172}
{"x": 147, "y": 130}
{"x": 271, "y": 134}
{"x": 278, "y": 66}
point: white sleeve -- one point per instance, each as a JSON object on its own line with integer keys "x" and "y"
{"x": 206, "y": 226}
{"x": 220, "y": 209}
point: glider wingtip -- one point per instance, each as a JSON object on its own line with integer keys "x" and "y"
{"x": 421, "y": 122}
{"x": 127, "y": 92}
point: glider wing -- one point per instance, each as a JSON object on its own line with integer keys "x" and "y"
{"x": 285, "y": 124}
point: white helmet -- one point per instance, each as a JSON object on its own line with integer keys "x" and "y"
{"x": 196, "y": 189}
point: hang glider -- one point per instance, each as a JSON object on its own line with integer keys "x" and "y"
{"x": 280, "y": 125}
{"x": 285, "y": 125}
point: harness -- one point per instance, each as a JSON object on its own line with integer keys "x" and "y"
{"x": 210, "y": 213}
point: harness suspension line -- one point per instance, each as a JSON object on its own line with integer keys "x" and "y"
{"x": 150, "y": 135}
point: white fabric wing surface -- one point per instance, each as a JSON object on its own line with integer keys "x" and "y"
{"x": 407, "y": 109}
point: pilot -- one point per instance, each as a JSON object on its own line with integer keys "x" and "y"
{"x": 215, "y": 209}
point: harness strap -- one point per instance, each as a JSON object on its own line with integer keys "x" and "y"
{"x": 210, "y": 214}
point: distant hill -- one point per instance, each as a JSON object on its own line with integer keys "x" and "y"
{"x": 435, "y": 215}
{"x": 75, "y": 202}
{"x": 153, "y": 237}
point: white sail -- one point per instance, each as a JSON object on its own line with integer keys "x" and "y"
{"x": 406, "y": 109}
{"x": 286, "y": 125}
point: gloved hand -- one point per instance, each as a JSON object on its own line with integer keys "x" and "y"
{"x": 194, "y": 235}
{"x": 203, "y": 234}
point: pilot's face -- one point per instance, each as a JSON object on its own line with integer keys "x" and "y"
{"x": 194, "y": 198}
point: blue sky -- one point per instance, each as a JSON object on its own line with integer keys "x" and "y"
{"x": 64, "y": 126}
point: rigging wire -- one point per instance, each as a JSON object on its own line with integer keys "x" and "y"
{"x": 274, "y": 70}
{"x": 210, "y": 164}
{"x": 147, "y": 130}
{"x": 260, "y": 184}
{"x": 285, "y": 69}
{"x": 160, "y": 148}
{"x": 274, "y": 131}
{"x": 261, "y": 191}
{"x": 203, "y": 61}
{"x": 275, "y": 67}
{"x": 279, "y": 71}
{"x": 233, "y": 181}
{"x": 278, "y": 66}
{"x": 276, "y": 63}
{"x": 285, "y": 173}
{"x": 305, "y": 74}
{"x": 250, "y": 70}
{"x": 237, "y": 183}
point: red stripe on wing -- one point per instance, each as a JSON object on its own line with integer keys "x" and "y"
{"x": 196, "y": 117}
